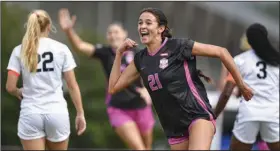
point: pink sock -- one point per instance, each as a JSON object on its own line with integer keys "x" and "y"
{"x": 262, "y": 145}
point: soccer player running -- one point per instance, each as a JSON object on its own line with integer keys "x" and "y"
{"x": 168, "y": 68}
{"x": 130, "y": 112}
{"x": 259, "y": 67}
{"x": 44, "y": 118}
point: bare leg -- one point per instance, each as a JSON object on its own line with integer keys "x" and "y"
{"x": 130, "y": 134}
{"x": 35, "y": 144}
{"x": 181, "y": 146}
{"x": 63, "y": 145}
{"x": 147, "y": 138}
{"x": 237, "y": 145}
{"x": 274, "y": 146}
{"x": 201, "y": 135}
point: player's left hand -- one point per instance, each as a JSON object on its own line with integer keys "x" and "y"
{"x": 145, "y": 95}
{"x": 80, "y": 124}
{"x": 246, "y": 92}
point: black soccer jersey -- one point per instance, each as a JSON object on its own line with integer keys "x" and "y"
{"x": 171, "y": 77}
{"x": 128, "y": 98}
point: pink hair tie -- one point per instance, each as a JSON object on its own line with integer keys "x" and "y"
{"x": 36, "y": 14}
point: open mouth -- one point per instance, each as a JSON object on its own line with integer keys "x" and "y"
{"x": 144, "y": 33}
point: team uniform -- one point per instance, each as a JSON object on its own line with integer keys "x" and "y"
{"x": 178, "y": 94}
{"x": 44, "y": 111}
{"x": 261, "y": 113}
{"x": 126, "y": 105}
{"x": 260, "y": 144}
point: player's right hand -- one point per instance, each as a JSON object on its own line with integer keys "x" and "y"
{"x": 80, "y": 124}
{"x": 66, "y": 22}
{"x": 145, "y": 95}
{"x": 126, "y": 45}
{"x": 246, "y": 92}
{"x": 19, "y": 94}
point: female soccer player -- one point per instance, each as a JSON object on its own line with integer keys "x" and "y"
{"x": 260, "y": 69}
{"x": 168, "y": 69}
{"x": 128, "y": 112}
{"x": 44, "y": 119}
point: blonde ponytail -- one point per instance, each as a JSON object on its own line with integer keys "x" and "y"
{"x": 36, "y": 24}
{"x": 30, "y": 43}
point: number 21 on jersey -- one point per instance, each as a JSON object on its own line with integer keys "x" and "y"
{"x": 154, "y": 82}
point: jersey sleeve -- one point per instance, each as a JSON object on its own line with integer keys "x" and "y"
{"x": 186, "y": 46}
{"x": 14, "y": 62}
{"x": 69, "y": 62}
{"x": 100, "y": 52}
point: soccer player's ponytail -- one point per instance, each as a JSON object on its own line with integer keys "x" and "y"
{"x": 37, "y": 23}
{"x": 206, "y": 78}
{"x": 166, "y": 33}
{"x": 257, "y": 36}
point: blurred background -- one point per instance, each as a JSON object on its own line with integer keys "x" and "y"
{"x": 218, "y": 23}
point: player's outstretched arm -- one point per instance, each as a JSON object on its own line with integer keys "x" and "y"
{"x": 67, "y": 23}
{"x": 201, "y": 49}
{"x": 118, "y": 80}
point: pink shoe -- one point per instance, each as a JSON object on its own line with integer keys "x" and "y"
{"x": 262, "y": 145}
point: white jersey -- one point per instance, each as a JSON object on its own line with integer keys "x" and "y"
{"x": 42, "y": 91}
{"x": 264, "y": 80}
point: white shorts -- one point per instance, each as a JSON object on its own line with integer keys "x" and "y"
{"x": 55, "y": 127}
{"x": 246, "y": 132}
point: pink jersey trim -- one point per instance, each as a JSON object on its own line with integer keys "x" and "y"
{"x": 13, "y": 72}
{"x": 152, "y": 54}
{"x": 194, "y": 90}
